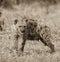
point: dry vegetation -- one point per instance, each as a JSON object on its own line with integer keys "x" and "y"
{"x": 34, "y": 51}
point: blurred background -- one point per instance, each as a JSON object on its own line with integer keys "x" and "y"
{"x": 47, "y": 12}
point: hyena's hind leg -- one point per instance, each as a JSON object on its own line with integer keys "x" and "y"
{"x": 45, "y": 37}
{"x": 49, "y": 44}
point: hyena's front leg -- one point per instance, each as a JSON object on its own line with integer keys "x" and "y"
{"x": 23, "y": 44}
{"x": 16, "y": 42}
{"x": 21, "y": 50}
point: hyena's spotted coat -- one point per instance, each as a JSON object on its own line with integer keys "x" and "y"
{"x": 31, "y": 32}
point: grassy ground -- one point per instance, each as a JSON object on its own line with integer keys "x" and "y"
{"x": 34, "y": 51}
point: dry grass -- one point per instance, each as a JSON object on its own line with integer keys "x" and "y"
{"x": 34, "y": 51}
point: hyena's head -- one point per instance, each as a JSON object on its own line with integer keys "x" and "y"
{"x": 27, "y": 23}
{"x": 23, "y": 25}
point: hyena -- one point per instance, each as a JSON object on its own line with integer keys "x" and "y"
{"x": 31, "y": 32}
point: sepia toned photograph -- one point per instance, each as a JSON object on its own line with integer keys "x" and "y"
{"x": 29, "y": 30}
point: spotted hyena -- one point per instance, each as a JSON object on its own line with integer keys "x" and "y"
{"x": 31, "y": 32}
